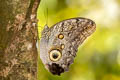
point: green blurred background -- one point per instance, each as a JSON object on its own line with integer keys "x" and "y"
{"x": 98, "y": 58}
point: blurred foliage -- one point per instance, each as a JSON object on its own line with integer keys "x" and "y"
{"x": 98, "y": 58}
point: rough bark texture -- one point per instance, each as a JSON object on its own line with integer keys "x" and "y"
{"x": 18, "y": 35}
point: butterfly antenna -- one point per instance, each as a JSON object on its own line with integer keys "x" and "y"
{"x": 47, "y": 13}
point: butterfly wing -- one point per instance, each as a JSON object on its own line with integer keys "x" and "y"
{"x": 62, "y": 40}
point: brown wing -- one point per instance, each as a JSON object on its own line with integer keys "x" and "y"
{"x": 64, "y": 37}
{"x": 74, "y": 31}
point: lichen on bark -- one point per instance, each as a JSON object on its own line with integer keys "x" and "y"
{"x": 18, "y": 36}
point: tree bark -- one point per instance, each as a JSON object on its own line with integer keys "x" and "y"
{"x": 18, "y": 36}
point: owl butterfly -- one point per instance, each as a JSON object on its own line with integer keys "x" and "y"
{"x": 59, "y": 43}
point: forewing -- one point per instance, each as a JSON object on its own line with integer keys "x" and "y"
{"x": 75, "y": 31}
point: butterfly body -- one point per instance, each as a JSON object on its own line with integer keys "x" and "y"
{"x": 59, "y": 43}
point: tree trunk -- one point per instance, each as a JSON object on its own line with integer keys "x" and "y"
{"x": 18, "y": 36}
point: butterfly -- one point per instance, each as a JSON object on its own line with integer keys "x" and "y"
{"x": 59, "y": 43}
